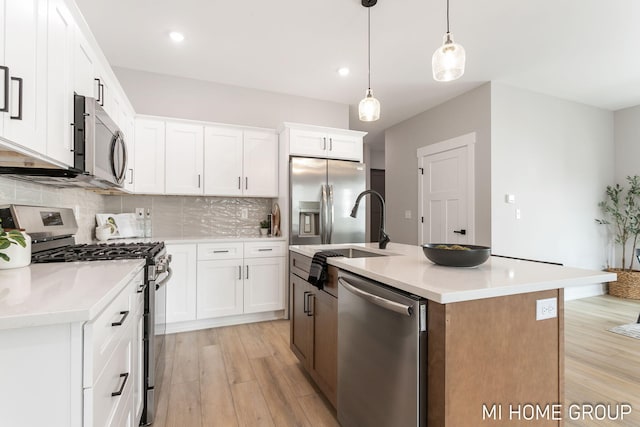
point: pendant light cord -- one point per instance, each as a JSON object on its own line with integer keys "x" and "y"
{"x": 447, "y": 16}
{"x": 369, "y": 42}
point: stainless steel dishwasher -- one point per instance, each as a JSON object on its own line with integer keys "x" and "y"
{"x": 382, "y": 355}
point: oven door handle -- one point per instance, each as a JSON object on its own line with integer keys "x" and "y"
{"x": 166, "y": 278}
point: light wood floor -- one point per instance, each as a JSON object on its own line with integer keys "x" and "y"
{"x": 246, "y": 375}
{"x": 238, "y": 376}
{"x": 601, "y": 366}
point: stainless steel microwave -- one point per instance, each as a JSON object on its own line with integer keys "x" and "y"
{"x": 100, "y": 149}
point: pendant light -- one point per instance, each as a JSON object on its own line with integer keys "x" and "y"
{"x": 369, "y": 108}
{"x": 448, "y": 60}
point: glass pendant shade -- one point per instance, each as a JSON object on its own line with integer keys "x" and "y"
{"x": 448, "y": 60}
{"x": 369, "y": 108}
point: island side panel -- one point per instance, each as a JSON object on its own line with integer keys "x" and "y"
{"x": 495, "y": 352}
{"x": 436, "y": 333}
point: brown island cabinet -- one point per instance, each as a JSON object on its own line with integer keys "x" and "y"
{"x": 489, "y": 361}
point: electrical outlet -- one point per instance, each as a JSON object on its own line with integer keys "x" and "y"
{"x": 546, "y": 308}
{"x": 407, "y": 214}
{"x": 244, "y": 213}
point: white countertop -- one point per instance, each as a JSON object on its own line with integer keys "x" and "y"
{"x": 66, "y": 292}
{"x": 409, "y": 270}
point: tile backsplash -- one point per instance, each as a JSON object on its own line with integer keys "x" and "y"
{"x": 194, "y": 216}
{"x": 85, "y": 203}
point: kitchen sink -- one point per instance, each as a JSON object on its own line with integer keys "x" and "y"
{"x": 356, "y": 253}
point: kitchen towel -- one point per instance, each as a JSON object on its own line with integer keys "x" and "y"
{"x": 318, "y": 270}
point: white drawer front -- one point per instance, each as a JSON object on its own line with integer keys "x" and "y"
{"x": 102, "y": 335}
{"x": 264, "y": 249}
{"x": 212, "y": 251}
{"x": 101, "y": 407}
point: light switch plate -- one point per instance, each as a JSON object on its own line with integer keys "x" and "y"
{"x": 546, "y": 308}
{"x": 244, "y": 213}
{"x": 407, "y": 214}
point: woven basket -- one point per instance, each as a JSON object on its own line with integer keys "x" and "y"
{"x": 627, "y": 285}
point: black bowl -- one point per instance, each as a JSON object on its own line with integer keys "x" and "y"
{"x": 475, "y": 255}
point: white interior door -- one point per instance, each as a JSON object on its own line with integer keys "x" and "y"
{"x": 447, "y": 193}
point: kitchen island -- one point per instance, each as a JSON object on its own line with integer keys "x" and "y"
{"x": 489, "y": 360}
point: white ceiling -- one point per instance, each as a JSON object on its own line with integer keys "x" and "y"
{"x": 582, "y": 50}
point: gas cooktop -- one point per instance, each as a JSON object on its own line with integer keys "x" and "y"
{"x": 99, "y": 252}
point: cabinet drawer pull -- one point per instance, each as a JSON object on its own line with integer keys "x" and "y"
{"x": 305, "y": 309}
{"x": 5, "y": 69}
{"x": 309, "y": 312}
{"x": 221, "y": 252}
{"x": 268, "y": 250}
{"x": 119, "y": 392}
{"x": 324, "y": 143}
{"x": 294, "y": 262}
{"x": 121, "y": 321}
{"x": 330, "y": 144}
{"x": 19, "y": 116}
{"x": 99, "y": 94}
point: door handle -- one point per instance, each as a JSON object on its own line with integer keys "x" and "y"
{"x": 246, "y": 183}
{"x": 324, "y": 143}
{"x": 199, "y": 179}
{"x": 239, "y": 184}
{"x": 330, "y": 144}
{"x": 5, "y": 69}
{"x": 308, "y": 297}
{"x": 377, "y": 300}
{"x": 461, "y": 232}
{"x": 121, "y": 321}
{"x": 239, "y": 272}
{"x": 99, "y": 95}
{"x": 119, "y": 392}
{"x": 247, "y": 277}
{"x": 131, "y": 178}
{"x": 305, "y": 309}
{"x": 19, "y": 116}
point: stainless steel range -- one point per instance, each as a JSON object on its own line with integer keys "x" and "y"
{"x": 52, "y": 232}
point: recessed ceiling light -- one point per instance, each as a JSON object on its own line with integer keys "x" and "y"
{"x": 343, "y": 71}
{"x": 176, "y": 36}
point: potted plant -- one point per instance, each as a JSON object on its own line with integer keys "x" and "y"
{"x": 264, "y": 227}
{"x": 622, "y": 214}
{"x": 15, "y": 249}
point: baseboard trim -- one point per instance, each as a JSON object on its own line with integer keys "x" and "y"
{"x": 578, "y": 292}
{"x": 195, "y": 325}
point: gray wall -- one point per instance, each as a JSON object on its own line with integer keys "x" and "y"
{"x": 556, "y": 157}
{"x": 627, "y": 137}
{"x": 466, "y": 113}
{"x": 85, "y": 203}
{"x": 162, "y": 95}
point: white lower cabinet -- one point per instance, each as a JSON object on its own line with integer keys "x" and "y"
{"x": 217, "y": 280}
{"x": 113, "y": 367}
{"x": 76, "y": 374}
{"x": 219, "y": 288}
{"x": 181, "y": 289}
{"x": 263, "y": 290}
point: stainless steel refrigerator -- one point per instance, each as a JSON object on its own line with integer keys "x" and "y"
{"x": 322, "y": 195}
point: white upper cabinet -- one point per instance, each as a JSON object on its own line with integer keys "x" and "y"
{"x": 84, "y": 68}
{"x": 330, "y": 143}
{"x": 223, "y": 161}
{"x": 260, "y": 164}
{"x": 148, "y": 157}
{"x": 23, "y": 26}
{"x": 240, "y": 162}
{"x": 183, "y": 154}
{"x": 60, "y": 38}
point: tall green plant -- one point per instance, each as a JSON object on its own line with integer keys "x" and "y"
{"x": 622, "y": 212}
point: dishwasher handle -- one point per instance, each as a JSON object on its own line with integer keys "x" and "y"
{"x": 377, "y": 300}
